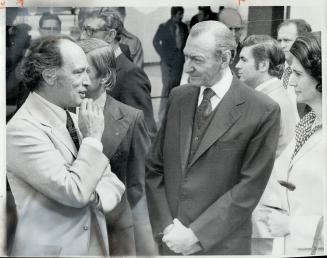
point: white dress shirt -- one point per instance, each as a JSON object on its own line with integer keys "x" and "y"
{"x": 220, "y": 88}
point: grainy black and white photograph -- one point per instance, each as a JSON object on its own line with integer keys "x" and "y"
{"x": 167, "y": 128}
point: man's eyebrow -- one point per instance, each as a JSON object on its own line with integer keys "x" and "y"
{"x": 79, "y": 70}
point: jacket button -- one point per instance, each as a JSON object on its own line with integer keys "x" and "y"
{"x": 85, "y": 228}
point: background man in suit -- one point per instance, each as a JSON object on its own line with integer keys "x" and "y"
{"x": 169, "y": 42}
{"x": 261, "y": 64}
{"x": 62, "y": 186}
{"x": 129, "y": 39}
{"x": 126, "y": 141}
{"x": 133, "y": 87}
{"x": 213, "y": 154}
{"x": 288, "y": 31}
{"x": 204, "y": 14}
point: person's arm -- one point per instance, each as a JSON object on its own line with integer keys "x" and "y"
{"x": 235, "y": 207}
{"x": 159, "y": 211}
{"x": 140, "y": 144}
{"x": 137, "y": 53}
{"x": 135, "y": 91}
{"x": 157, "y": 40}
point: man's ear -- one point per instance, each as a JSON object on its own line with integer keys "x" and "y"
{"x": 50, "y": 76}
{"x": 226, "y": 58}
{"x": 263, "y": 66}
{"x": 110, "y": 36}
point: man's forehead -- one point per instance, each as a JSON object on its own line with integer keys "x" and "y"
{"x": 50, "y": 23}
{"x": 94, "y": 22}
{"x": 288, "y": 31}
{"x": 71, "y": 52}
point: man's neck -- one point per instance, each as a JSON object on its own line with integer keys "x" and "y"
{"x": 263, "y": 79}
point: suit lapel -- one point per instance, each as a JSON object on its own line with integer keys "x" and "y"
{"x": 187, "y": 112}
{"x": 116, "y": 126}
{"x": 229, "y": 111}
{"x": 48, "y": 118}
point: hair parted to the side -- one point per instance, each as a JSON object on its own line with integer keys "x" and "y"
{"x": 264, "y": 48}
{"x": 302, "y": 26}
{"x": 44, "y": 53}
{"x": 175, "y": 9}
{"x": 102, "y": 56}
{"x": 307, "y": 50}
{"x": 224, "y": 39}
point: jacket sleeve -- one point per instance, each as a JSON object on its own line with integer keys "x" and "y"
{"x": 33, "y": 158}
{"x": 235, "y": 207}
{"x": 157, "y": 40}
{"x": 159, "y": 211}
{"x": 140, "y": 144}
{"x": 135, "y": 91}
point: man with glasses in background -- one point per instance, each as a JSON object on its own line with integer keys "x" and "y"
{"x": 49, "y": 24}
{"x": 132, "y": 88}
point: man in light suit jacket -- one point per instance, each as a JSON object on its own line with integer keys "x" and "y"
{"x": 60, "y": 179}
{"x": 133, "y": 87}
{"x": 261, "y": 64}
{"x": 125, "y": 142}
{"x": 213, "y": 155}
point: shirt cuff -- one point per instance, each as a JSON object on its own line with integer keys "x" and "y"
{"x": 93, "y": 142}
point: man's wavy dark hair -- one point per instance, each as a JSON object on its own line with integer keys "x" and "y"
{"x": 43, "y": 53}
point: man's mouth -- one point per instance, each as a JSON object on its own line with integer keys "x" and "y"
{"x": 82, "y": 94}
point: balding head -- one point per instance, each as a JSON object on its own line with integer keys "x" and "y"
{"x": 208, "y": 52}
{"x": 223, "y": 37}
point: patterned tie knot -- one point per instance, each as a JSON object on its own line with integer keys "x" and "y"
{"x": 208, "y": 93}
{"x": 287, "y": 74}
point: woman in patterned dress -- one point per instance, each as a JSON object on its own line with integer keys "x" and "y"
{"x": 303, "y": 160}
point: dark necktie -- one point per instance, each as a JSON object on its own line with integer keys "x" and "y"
{"x": 72, "y": 130}
{"x": 287, "y": 74}
{"x": 204, "y": 109}
{"x": 178, "y": 37}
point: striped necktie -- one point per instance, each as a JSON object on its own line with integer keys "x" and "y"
{"x": 205, "y": 108}
{"x": 72, "y": 130}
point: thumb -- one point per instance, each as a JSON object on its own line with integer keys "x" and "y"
{"x": 177, "y": 222}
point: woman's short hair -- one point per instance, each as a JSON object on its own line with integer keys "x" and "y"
{"x": 307, "y": 50}
{"x": 102, "y": 56}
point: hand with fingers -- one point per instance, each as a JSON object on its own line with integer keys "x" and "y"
{"x": 181, "y": 239}
{"x": 90, "y": 119}
{"x": 278, "y": 223}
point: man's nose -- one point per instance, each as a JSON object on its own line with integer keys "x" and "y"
{"x": 188, "y": 68}
{"x": 86, "y": 80}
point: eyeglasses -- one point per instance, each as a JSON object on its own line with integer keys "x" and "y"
{"x": 90, "y": 31}
{"x": 55, "y": 29}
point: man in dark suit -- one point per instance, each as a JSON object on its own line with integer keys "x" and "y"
{"x": 125, "y": 142}
{"x": 169, "y": 42}
{"x": 213, "y": 155}
{"x": 133, "y": 87}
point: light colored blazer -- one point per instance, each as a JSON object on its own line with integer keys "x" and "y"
{"x": 54, "y": 185}
{"x": 305, "y": 204}
{"x": 274, "y": 89}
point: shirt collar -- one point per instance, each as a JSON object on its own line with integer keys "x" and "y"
{"x": 101, "y": 101}
{"x": 117, "y": 51}
{"x": 222, "y": 86}
{"x": 265, "y": 86}
{"x": 60, "y": 112}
